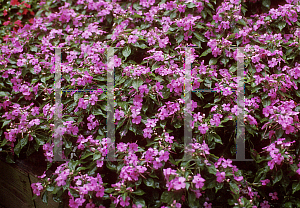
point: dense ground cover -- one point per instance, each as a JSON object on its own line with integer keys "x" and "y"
{"x": 149, "y": 100}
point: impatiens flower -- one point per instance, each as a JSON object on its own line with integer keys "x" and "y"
{"x": 220, "y": 176}
{"x": 265, "y": 204}
{"x": 179, "y": 183}
{"x": 132, "y": 38}
{"x": 198, "y": 181}
{"x": 36, "y": 188}
{"x": 273, "y": 195}
{"x": 265, "y": 182}
{"x": 203, "y": 128}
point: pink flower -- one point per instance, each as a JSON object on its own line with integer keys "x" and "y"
{"x": 137, "y": 119}
{"x": 82, "y": 103}
{"x": 198, "y": 181}
{"x": 179, "y": 183}
{"x": 265, "y": 182}
{"x": 203, "y": 128}
{"x": 132, "y": 38}
{"x": 147, "y": 132}
{"x": 274, "y": 195}
{"x": 36, "y": 188}
{"x": 265, "y": 204}
{"x": 220, "y": 176}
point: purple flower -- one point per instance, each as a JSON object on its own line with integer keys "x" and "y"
{"x": 179, "y": 183}
{"x": 169, "y": 138}
{"x": 122, "y": 147}
{"x": 132, "y": 38}
{"x": 36, "y": 188}
{"x": 118, "y": 114}
{"x": 203, "y": 128}
{"x": 151, "y": 123}
{"x": 93, "y": 99}
{"x": 147, "y": 132}
{"x": 220, "y": 176}
{"x": 264, "y": 182}
{"x": 198, "y": 181}
{"x": 82, "y": 103}
{"x": 157, "y": 164}
{"x": 137, "y": 119}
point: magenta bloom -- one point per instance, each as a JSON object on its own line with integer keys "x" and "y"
{"x": 220, "y": 176}
{"x": 198, "y": 181}
{"x": 203, "y": 128}
{"x": 132, "y": 38}
{"x": 137, "y": 119}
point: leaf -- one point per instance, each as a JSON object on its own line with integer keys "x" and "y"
{"x": 281, "y": 25}
{"x": 96, "y": 157}
{"x": 213, "y": 61}
{"x": 233, "y": 187}
{"x": 39, "y": 141}
{"x": 140, "y": 202}
{"x": 279, "y": 133}
{"x": 266, "y": 3}
{"x": 266, "y": 102}
{"x": 200, "y": 37}
{"x": 137, "y": 83}
{"x": 167, "y": 197}
{"x": 126, "y": 51}
{"x": 242, "y": 22}
{"x": 149, "y": 182}
{"x": 196, "y": 42}
{"x": 217, "y": 139}
{"x": 206, "y": 52}
{"x": 296, "y": 186}
{"x": 5, "y": 123}
{"x": 179, "y": 38}
{"x": 139, "y": 192}
{"x": 278, "y": 176}
{"x": 45, "y": 197}
{"x": 33, "y": 48}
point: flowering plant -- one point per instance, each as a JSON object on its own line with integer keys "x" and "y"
{"x": 149, "y": 101}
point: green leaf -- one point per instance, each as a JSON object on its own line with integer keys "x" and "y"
{"x": 126, "y": 51}
{"x": 33, "y": 48}
{"x": 196, "y": 42}
{"x": 140, "y": 201}
{"x": 39, "y": 141}
{"x": 279, "y": 133}
{"x": 5, "y": 123}
{"x": 3, "y": 94}
{"x": 224, "y": 60}
{"x": 266, "y": 102}
{"x": 217, "y": 139}
{"x": 204, "y": 14}
{"x": 281, "y": 25}
{"x": 149, "y": 182}
{"x": 96, "y": 157}
{"x": 233, "y": 187}
{"x": 213, "y": 61}
{"x": 179, "y": 38}
{"x": 266, "y": 3}
{"x": 206, "y": 52}
{"x": 137, "y": 83}
{"x": 24, "y": 141}
{"x": 296, "y": 186}
{"x": 242, "y": 22}
{"x": 72, "y": 164}
{"x": 200, "y": 37}
{"x": 278, "y": 176}
{"x": 139, "y": 192}
{"x": 167, "y": 197}
{"x": 45, "y": 197}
